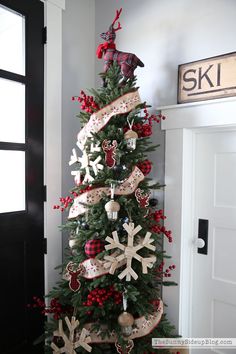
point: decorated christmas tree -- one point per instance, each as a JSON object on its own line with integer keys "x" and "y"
{"x": 109, "y": 296}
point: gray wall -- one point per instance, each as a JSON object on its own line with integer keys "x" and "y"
{"x": 78, "y": 72}
{"x": 166, "y": 33}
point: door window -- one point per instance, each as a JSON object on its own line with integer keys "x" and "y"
{"x": 12, "y": 41}
{"x": 12, "y": 111}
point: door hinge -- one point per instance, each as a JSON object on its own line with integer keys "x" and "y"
{"x": 44, "y": 35}
{"x": 45, "y": 246}
{"x": 44, "y": 193}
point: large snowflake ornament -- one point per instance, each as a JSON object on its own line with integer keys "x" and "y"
{"x": 129, "y": 251}
{"x": 73, "y": 158}
{"x": 87, "y": 164}
{"x": 70, "y": 343}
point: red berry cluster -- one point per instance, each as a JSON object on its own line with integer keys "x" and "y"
{"x": 143, "y": 130}
{"x": 55, "y": 307}
{"x": 87, "y": 102}
{"x": 65, "y": 203}
{"x": 157, "y": 216}
{"x": 153, "y": 117}
{"x": 86, "y": 189}
{"x": 167, "y": 271}
{"x": 98, "y": 296}
{"x": 75, "y": 194}
{"x": 158, "y": 229}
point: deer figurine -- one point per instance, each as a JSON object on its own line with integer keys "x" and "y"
{"x": 128, "y": 62}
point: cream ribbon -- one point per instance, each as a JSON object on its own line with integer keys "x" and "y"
{"x": 99, "y": 119}
{"x": 142, "y": 327}
{"x": 95, "y": 195}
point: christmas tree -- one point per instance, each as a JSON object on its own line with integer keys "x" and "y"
{"x": 109, "y": 296}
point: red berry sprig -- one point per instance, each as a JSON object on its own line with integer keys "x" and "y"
{"x": 158, "y": 229}
{"x": 68, "y": 201}
{"x": 98, "y": 296}
{"x": 54, "y": 308}
{"x": 65, "y": 203}
{"x": 160, "y": 268}
{"x": 88, "y": 103}
{"x": 167, "y": 272}
{"x": 143, "y": 130}
{"x": 153, "y": 117}
{"x": 157, "y": 216}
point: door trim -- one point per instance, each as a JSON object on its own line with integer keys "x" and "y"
{"x": 181, "y": 126}
{"x": 53, "y": 10}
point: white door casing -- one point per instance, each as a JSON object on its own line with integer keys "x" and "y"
{"x": 214, "y": 274}
{"x": 181, "y": 126}
{"x": 52, "y": 136}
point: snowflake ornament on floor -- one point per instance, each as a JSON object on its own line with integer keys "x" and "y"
{"x": 70, "y": 344}
{"x": 129, "y": 252}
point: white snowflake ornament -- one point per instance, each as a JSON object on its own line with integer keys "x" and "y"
{"x": 87, "y": 164}
{"x": 95, "y": 148}
{"x": 70, "y": 343}
{"x": 73, "y": 158}
{"x": 129, "y": 251}
{"x": 96, "y": 165}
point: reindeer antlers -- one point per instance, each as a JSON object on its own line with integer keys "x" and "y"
{"x": 118, "y": 12}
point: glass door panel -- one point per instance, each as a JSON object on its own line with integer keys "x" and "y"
{"x": 12, "y": 41}
{"x": 12, "y": 111}
{"x": 12, "y": 186}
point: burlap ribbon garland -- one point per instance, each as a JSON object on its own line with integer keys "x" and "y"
{"x": 99, "y": 119}
{"x": 142, "y": 327}
{"x": 94, "y": 196}
{"x": 92, "y": 268}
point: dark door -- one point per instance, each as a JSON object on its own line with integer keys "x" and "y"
{"x": 21, "y": 173}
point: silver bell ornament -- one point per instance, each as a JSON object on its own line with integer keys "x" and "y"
{"x": 131, "y": 138}
{"x": 126, "y": 322}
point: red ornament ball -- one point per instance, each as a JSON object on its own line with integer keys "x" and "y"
{"x": 145, "y": 166}
{"x": 93, "y": 247}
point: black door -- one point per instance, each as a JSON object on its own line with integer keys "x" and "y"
{"x": 21, "y": 173}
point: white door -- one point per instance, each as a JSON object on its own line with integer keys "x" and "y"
{"x": 214, "y": 274}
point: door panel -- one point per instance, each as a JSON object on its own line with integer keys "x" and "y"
{"x": 214, "y": 274}
{"x": 21, "y": 178}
